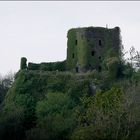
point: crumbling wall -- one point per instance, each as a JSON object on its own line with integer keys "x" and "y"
{"x": 91, "y": 46}
{"x": 52, "y": 66}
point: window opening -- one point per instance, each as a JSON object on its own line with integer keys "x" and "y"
{"x": 73, "y": 55}
{"x": 76, "y": 42}
{"x": 100, "y": 43}
{"x": 99, "y": 68}
{"x": 93, "y": 53}
{"x": 77, "y": 69}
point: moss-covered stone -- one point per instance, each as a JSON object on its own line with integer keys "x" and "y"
{"x": 52, "y": 66}
{"x": 23, "y": 64}
{"x": 88, "y": 47}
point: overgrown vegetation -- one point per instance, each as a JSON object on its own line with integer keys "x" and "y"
{"x": 48, "y": 104}
{"x": 52, "y": 66}
{"x": 85, "y": 51}
{"x": 5, "y": 83}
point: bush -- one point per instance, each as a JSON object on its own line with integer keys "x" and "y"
{"x": 11, "y": 118}
{"x": 28, "y": 103}
{"x": 113, "y": 65}
{"x": 55, "y": 115}
{"x": 36, "y": 134}
{"x": 101, "y": 117}
{"x": 52, "y": 66}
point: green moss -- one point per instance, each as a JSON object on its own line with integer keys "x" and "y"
{"x": 23, "y": 64}
{"x": 33, "y": 66}
{"x": 84, "y": 44}
{"x": 82, "y": 52}
{"x": 52, "y": 66}
{"x": 87, "y": 49}
{"x": 71, "y": 50}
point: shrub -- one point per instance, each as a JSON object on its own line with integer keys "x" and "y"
{"x": 113, "y": 65}
{"x": 55, "y": 115}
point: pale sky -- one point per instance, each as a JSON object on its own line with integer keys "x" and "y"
{"x": 38, "y": 30}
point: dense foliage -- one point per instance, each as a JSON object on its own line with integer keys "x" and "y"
{"x": 5, "y": 83}
{"x": 52, "y": 66}
{"x": 56, "y": 105}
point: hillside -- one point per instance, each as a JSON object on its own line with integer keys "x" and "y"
{"x": 46, "y": 105}
{"x": 93, "y": 94}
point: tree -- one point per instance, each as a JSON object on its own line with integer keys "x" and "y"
{"x": 5, "y": 83}
{"x": 55, "y": 115}
{"x": 134, "y": 57}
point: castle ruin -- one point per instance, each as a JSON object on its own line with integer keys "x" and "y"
{"x": 88, "y": 47}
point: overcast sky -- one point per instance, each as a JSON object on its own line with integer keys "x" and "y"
{"x": 38, "y": 30}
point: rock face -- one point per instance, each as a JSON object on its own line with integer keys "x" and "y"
{"x": 87, "y": 48}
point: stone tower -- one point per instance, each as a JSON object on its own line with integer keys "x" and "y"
{"x": 88, "y": 47}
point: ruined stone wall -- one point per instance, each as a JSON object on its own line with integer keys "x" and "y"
{"x": 89, "y": 47}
